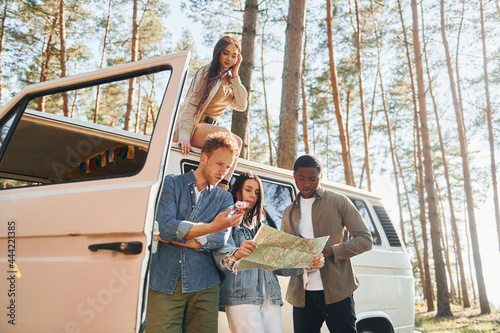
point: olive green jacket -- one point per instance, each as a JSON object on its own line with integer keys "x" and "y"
{"x": 333, "y": 214}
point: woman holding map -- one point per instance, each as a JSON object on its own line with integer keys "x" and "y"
{"x": 251, "y": 298}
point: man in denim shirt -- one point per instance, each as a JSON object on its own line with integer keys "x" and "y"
{"x": 192, "y": 216}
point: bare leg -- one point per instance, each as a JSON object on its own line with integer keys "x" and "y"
{"x": 203, "y": 130}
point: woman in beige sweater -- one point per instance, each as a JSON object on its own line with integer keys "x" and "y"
{"x": 214, "y": 88}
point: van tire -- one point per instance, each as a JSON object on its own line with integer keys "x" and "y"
{"x": 374, "y": 325}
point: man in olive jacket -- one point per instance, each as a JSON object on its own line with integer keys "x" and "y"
{"x": 324, "y": 294}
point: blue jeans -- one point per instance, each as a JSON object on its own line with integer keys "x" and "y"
{"x": 340, "y": 317}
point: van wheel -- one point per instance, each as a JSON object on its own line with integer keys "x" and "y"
{"x": 374, "y": 325}
{"x": 364, "y": 328}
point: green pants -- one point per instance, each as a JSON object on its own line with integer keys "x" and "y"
{"x": 188, "y": 313}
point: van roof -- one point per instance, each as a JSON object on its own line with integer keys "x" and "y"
{"x": 261, "y": 168}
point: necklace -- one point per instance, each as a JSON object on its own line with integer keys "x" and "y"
{"x": 248, "y": 220}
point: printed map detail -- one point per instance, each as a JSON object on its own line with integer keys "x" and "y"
{"x": 277, "y": 249}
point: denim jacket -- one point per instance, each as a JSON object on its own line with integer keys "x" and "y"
{"x": 177, "y": 213}
{"x": 246, "y": 287}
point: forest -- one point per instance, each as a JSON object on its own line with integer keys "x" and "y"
{"x": 357, "y": 78}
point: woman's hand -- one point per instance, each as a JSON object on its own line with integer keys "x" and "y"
{"x": 236, "y": 66}
{"x": 245, "y": 249}
{"x": 185, "y": 146}
{"x": 317, "y": 262}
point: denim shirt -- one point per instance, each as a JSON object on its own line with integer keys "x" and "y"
{"x": 177, "y": 213}
{"x": 246, "y": 287}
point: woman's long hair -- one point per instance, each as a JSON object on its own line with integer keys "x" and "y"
{"x": 258, "y": 211}
{"x": 214, "y": 70}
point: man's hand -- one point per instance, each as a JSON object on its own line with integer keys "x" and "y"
{"x": 223, "y": 222}
{"x": 327, "y": 251}
{"x": 317, "y": 262}
{"x": 245, "y": 249}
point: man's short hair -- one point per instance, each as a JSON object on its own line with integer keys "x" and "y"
{"x": 218, "y": 140}
{"x": 307, "y": 161}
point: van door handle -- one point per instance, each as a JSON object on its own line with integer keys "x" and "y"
{"x": 123, "y": 247}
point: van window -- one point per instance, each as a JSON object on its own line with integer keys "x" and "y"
{"x": 363, "y": 210}
{"x": 42, "y": 144}
{"x": 277, "y": 197}
{"x": 386, "y": 223}
{"x": 5, "y": 126}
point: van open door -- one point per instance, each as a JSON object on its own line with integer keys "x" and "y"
{"x": 82, "y": 160}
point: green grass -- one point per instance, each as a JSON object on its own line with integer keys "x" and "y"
{"x": 463, "y": 321}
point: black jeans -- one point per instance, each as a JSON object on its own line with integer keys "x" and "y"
{"x": 340, "y": 317}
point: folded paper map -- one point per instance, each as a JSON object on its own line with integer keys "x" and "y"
{"x": 277, "y": 249}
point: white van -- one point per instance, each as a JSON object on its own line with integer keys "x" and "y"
{"x": 78, "y": 197}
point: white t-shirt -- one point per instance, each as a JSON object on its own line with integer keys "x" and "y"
{"x": 305, "y": 228}
{"x": 196, "y": 194}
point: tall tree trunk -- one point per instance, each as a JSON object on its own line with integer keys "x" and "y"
{"x": 132, "y": 82}
{"x": 393, "y": 157}
{"x": 463, "y": 279}
{"x": 305, "y": 135}
{"x": 314, "y": 138}
{"x": 362, "y": 100}
{"x": 335, "y": 92}
{"x": 483, "y": 298}
{"x": 138, "y": 109}
{"x": 146, "y": 121}
{"x": 453, "y": 221}
{"x": 45, "y": 63}
{"x": 389, "y": 130}
{"x": 443, "y": 299}
{"x": 240, "y": 120}
{"x": 348, "y": 103}
{"x": 288, "y": 131}
{"x": 73, "y": 105}
{"x": 457, "y": 70}
{"x": 2, "y": 42}
{"x": 469, "y": 254}
{"x": 428, "y": 291}
{"x": 103, "y": 56}
{"x": 427, "y": 283}
{"x": 413, "y": 231}
{"x": 445, "y": 242}
{"x": 457, "y": 272}
{"x": 490, "y": 123}
{"x": 427, "y": 286}
{"x": 149, "y": 109}
{"x": 64, "y": 71}
{"x": 266, "y": 110}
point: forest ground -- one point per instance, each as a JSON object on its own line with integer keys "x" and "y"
{"x": 464, "y": 320}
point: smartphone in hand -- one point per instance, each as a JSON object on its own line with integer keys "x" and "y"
{"x": 239, "y": 206}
